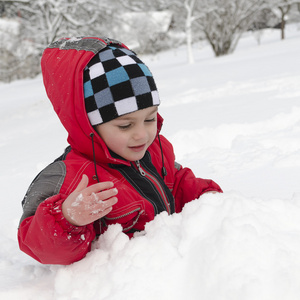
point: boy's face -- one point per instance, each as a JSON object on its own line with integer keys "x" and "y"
{"x": 130, "y": 135}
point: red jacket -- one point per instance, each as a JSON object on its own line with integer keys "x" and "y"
{"x": 44, "y": 233}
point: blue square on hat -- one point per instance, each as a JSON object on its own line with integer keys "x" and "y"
{"x": 88, "y": 90}
{"x": 116, "y": 76}
{"x": 145, "y": 70}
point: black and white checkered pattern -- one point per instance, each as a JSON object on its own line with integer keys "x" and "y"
{"x": 117, "y": 82}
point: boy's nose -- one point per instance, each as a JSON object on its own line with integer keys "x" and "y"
{"x": 140, "y": 133}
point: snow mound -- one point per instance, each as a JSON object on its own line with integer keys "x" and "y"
{"x": 221, "y": 244}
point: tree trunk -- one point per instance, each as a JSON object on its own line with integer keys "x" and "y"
{"x": 188, "y": 30}
{"x": 282, "y": 26}
{"x": 189, "y": 43}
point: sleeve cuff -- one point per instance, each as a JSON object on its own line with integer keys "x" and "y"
{"x": 55, "y": 209}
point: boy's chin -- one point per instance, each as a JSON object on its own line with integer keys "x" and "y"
{"x": 136, "y": 156}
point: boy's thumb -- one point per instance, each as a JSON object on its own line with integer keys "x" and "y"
{"x": 82, "y": 184}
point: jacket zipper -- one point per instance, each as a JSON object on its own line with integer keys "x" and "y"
{"x": 156, "y": 183}
{"x": 124, "y": 215}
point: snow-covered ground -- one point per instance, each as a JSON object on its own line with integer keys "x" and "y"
{"x": 235, "y": 119}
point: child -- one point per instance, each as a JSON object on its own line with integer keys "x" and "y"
{"x": 117, "y": 169}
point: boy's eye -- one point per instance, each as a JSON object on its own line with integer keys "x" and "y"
{"x": 123, "y": 127}
{"x": 151, "y": 120}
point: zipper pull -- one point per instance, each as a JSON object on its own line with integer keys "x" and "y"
{"x": 142, "y": 172}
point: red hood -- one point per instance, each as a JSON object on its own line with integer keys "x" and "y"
{"x": 62, "y": 68}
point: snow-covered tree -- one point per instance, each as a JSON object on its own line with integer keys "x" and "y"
{"x": 186, "y": 13}
{"x": 220, "y": 22}
{"x": 192, "y": 14}
{"x": 18, "y": 58}
{"x": 224, "y": 21}
{"x": 144, "y": 25}
{"x": 41, "y": 22}
{"x": 281, "y": 9}
{"x": 47, "y": 20}
{"x": 145, "y": 32}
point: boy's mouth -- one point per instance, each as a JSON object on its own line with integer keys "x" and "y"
{"x": 138, "y": 148}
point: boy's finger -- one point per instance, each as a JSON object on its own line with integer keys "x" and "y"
{"x": 104, "y": 195}
{"x": 104, "y": 205}
{"x": 97, "y": 187}
{"x": 97, "y": 214}
{"x": 82, "y": 184}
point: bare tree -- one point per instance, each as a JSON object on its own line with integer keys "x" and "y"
{"x": 224, "y": 21}
{"x": 144, "y": 25}
{"x": 18, "y": 58}
{"x": 284, "y": 10}
{"x": 281, "y": 9}
{"x": 221, "y": 22}
{"x": 192, "y": 15}
{"x": 186, "y": 13}
{"x": 47, "y": 20}
{"x": 41, "y": 22}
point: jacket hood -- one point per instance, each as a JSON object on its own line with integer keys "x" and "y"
{"x": 62, "y": 64}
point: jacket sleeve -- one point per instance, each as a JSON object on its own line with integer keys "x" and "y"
{"x": 184, "y": 184}
{"x": 44, "y": 233}
{"x": 188, "y": 187}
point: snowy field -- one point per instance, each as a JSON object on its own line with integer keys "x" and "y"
{"x": 235, "y": 119}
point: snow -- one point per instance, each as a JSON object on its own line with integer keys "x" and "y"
{"x": 9, "y": 30}
{"x": 235, "y": 119}
{"x": 158, "y": 21}
{"x": 9, "y": 26}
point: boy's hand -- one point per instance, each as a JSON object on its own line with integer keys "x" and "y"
{"x": 87, "y": 204}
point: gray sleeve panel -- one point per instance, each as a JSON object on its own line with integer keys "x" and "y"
{"x": 47, "y": 183}
{"x": 177, "y": 166}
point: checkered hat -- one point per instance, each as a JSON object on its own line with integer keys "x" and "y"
{"x": 117, "y": 82}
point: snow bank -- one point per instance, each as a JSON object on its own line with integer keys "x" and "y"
{"x": 228, "y": 245}
{"x": 223, "y": 246}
